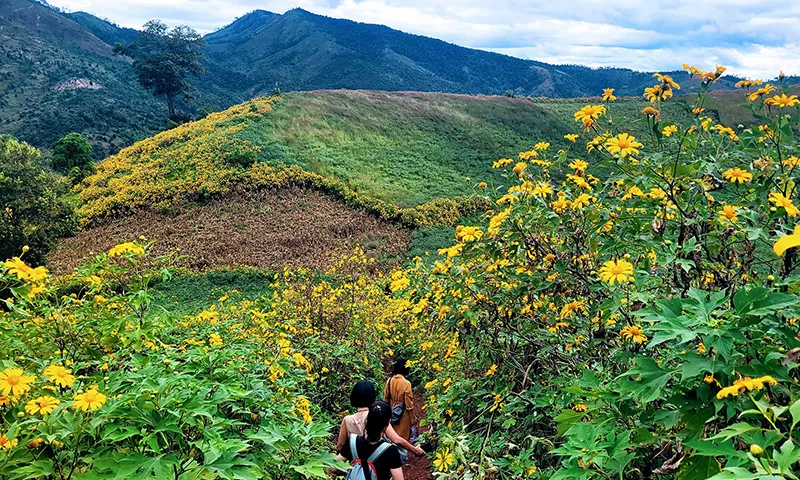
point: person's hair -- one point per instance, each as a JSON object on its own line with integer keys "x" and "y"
{"x": 378, "y": 417}
{"x": 363, "y": 394}
{"x": 400, "y": 367}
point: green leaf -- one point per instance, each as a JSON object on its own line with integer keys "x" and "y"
{"x": 735, "y": 430}
{"x": 794, "y": 410}
{"x": 737, "y": 473}
{"x": 566, "y": 419}
{"x": 698, "y": 468}
{"x": 311, "y": 470}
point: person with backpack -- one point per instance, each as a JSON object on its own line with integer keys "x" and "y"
{"x": 371, "y": 457}
{"x": 362, "y": 396}
{"x": 399, "y": 396}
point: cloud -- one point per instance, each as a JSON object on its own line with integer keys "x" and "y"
{"x": 754, "y": 39}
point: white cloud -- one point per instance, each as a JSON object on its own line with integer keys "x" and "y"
{"x": 752, "y": 38}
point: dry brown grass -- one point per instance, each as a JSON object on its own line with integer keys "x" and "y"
{"x": 266, "y": 229}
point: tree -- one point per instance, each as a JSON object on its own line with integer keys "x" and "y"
{"x": 33, "y": 210}
{"x": 73, "y": 155}
{"x": 165, "y": 58}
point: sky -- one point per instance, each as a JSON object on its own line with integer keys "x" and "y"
{"x": 753, "y": 38}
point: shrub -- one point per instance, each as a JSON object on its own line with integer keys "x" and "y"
{"x": 34, "y": 212}
{"x": 640, "y": 324}
{"x": 72, "y": 155}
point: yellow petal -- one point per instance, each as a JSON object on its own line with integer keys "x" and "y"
{"x": 787, "y": 241}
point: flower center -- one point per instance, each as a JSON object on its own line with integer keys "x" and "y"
{"x": 13, "y": 380}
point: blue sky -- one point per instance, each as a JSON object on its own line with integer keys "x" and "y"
{"x": 753, "y": 38}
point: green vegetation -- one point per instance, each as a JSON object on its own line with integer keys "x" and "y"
{"x": 400, "y": 147}
{"x": 72, "y": 155}
{"x": 164, "y": 58}
{"x": 76, "y": 84}
{"x": 58, "y": 78}
{"x": 34, "y": 213}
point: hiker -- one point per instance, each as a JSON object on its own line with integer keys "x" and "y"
{"x": 362, "y": 396}
{"x": 370, "y": 454}
{"x": 399, "y": 396}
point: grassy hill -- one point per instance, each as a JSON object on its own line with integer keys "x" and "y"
{"x": 56, "y": 77}
{"x": 400, "y": 149}
{"x": 402, "y": 157}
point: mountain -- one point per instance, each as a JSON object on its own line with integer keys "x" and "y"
{"x": 104, "y": 30}
{"x": 303, "y": 51}
{"x": 58, "y": 73}
{"x": 57, "y": 77}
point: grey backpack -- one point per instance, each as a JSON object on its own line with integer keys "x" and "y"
{"x": 357, "y": 470}
{"x": 398, "y": 410}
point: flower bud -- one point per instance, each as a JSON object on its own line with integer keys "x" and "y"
{"x": 756, "y": 450}
{"x": 771, "y": 278}
{"x": 25, "y": 249}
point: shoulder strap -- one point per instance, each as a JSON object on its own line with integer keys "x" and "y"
{"x": 353, "y": 448}
{"x": 379, "y": 451}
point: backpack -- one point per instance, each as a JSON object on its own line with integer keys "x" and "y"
{"x": 398, "y": 410}
{"x": 356, "y": 471}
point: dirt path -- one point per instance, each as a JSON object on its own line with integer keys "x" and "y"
{"x": 418, "y": 468}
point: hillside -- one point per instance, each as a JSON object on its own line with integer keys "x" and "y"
{"x": 57, "y": 72}
{"x": 401, "y": 149}
{"x": 56, "y": 77}
{"x": 247, "y": 229}
{"x": 303, "y": 51}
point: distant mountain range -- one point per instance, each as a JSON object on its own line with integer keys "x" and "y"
{"x": 58, "y": 73}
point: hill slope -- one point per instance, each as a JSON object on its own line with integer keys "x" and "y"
{"x": 56, "y": 77}
{"x": 384, "y": 151}
{"x": 57, "y": 73}
{"x": 303, "y": 51}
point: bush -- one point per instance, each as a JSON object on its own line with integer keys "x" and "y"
{"x": 636, "y": 325}
{"x": 34, "y": 212}
{"x": 72, "y": 155}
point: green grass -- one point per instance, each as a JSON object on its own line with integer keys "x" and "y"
{"x": 403, "y": 148}
{"x": 190, "y": 293}
{"x": 409, "y": 148}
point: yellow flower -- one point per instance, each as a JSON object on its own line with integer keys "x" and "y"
{"x": 581, "y": 201}
{"x": 588, "y": 114}
{"x": 123, "y": 248}
{"x": 15, "y": 382}
{"x": 543, "y": 189}
{"x": 520, "y": 167}
{"x": 502, "y": 163}
{"x": 766, "y": 89}
{"x": 6, "y": 443}
{"x": 608, "y": 95}
{"x": 616, "y": 271}
{"x": 780, "y": 201}
{"x": 669, "y": 130}
{"x": 651, "y": 112}
{"x": 624, "y": 144}
{"x": 784, "y": 243}
{"x": 782, "y": 101}
{"x": 89, "y": 400}
{"x": 59, "y": 375}
{"x": 746, "y": 383}
{"x": 468, "y": 234}
{"x": 572, "y": 137}
{"x": 541, "y": 146}
{"x": 633, "y": 333}
{"x": 43, "y": 405}
{"x": 578, "y": 165}
{"x": 579, "y": 407}
{"x": 734, "y": 175}
{"x": 444, "y": 460}
{"x": 214, "y": 340}
{"x": 729, "y": 213}
{"x": 491, "y": 370}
